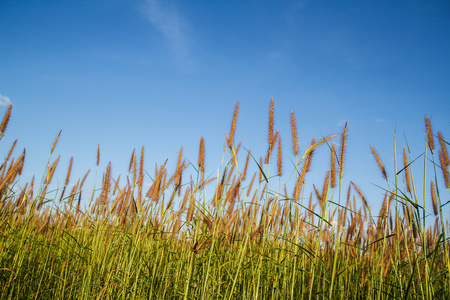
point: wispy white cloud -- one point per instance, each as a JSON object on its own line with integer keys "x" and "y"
{"x": 4, "y": 101}
{"x": 379, "y": 120}
{"x": 166, "y": 18}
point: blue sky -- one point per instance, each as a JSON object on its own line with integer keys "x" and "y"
{"x": 164, "y": 73}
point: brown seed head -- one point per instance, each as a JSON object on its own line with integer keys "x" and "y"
{"x": 279, "y": 158}
{"x": 433, "y": 198}
{"x": 233, "y": 126}
{"x": 429, "y": 133}
{"x": 271, "y": 123}
{"x": 444, "y": 169}
{"x": 380, "y": 164}
{"x": 98, "y": 154}
{"x": 444, "y": 149}
{"x": 333, "y": 166}
{"x": 69, "y": 171}
{"x": 342, "y": 151}
{"x": 5, "y": 120}
{"x": 294, "y": 134}
{"x": 201, "y": 155}
{"x": 405, "y": 163}
{"x": 56, "y": 140}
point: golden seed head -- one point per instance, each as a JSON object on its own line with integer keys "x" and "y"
{"x": 429, "y": 133}
{"x": 294, "y": 134}
{"x": 380, "y": 164}
{"x": 69, "y": 171}
{"x": 233, "y": 126}
{"x": 98, "y": 154}
{"x": 271, "y": 123}
{"x": 444, "y": 169}
{"x": 201, "y": 155}
{"x": 333, "y": 166}
{"x": 433, "y": 198}
{"x": 5, "y": 120}
{"x": 405, "y": 163}
{"x": 444, "y": 149}
{"x": 342, "y": 151}
{"x": 279, "y": 160}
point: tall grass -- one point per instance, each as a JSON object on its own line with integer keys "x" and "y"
{"x": 253, "y": 238}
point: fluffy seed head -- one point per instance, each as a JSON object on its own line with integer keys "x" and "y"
{"x": 380, "y": 164}
{"x": 294, "y": 134}
{"x": 405, "y": 163}
{"x": 429, "y": 133}
{"x": 342, "y": 151}
{"x": 279, "y": 160}
{"x": 433, "y": 198}
{"x": 271, "y": 123}
{"x": 5, "y": 120}
{"x": 444, "y": 149}
{"x": 233, "y": 126}
{"x": 333, "y": 166}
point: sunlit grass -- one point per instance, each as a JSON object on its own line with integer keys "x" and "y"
{"x": 252, "y": 238}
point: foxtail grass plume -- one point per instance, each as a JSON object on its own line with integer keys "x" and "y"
{"x": 5, "y": 120}
{"x": 56, "y": 141}
{"x": 380, "y": 164}
{"x": 294, "y": 134}
{"x": 444, "y": 169}
{"x": 333, "y": 166}
{"x": 407, "y": 177}
{"x": 429, "y": 133}
{"x": 233, "y": 126}
{"x": 279, "y": 158}
{"x": 201, "y": 156}
{"x": 98, "y": 154}
{"x": 342, "y": 151}
{"x": 444, "y": 149}
{"x": 271, "y": 123}
{"x": 433, "y": 198}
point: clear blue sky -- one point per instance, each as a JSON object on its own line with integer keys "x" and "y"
{"x": 164, "y": 73}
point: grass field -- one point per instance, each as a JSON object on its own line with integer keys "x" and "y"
{"x": 252, "y": 238}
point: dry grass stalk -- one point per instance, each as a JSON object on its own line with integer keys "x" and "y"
{"x": 333, "y": 166}
{"x": 406, "y": 166}
{"x": 433, "y": 198}
{"x": 342, "y": 151}
{"x": 444, "y": 149}
{"x": 294, "y": 134}
{"x": 380, "y": 164}
{"x": 5, "y": 120}
{"x": 279, "y": 158}
{"x": 444, "y": 169}
{"x": 429, "y": 133}
{"x": 233, "y": 126}
{"x": 260, "y": 172}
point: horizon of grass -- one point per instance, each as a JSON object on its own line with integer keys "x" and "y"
{"x": 250, "y": 239}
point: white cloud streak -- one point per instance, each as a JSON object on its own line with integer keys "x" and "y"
{"x": 164, "y": 16}
{"x": 4, "y": 101}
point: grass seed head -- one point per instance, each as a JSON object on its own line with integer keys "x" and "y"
{"x": 433, "y": 198}
{"x": 405, "y": 163}
{"x": 379, "y": 163}
{"x": 429, "y": 133}
{"x": 233, "y": 126}
{"x": 294, "y": 134}
{"x": 5, "y": 120}
{"x": 444, "y": 149}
